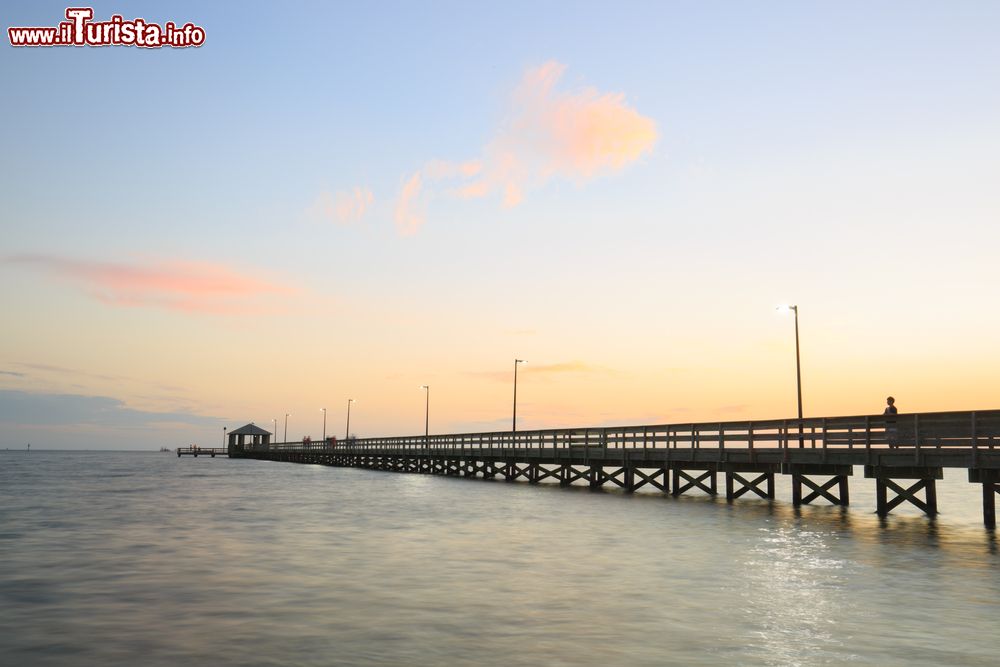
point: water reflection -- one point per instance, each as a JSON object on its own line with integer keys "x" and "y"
{"x": 793, "y": 591}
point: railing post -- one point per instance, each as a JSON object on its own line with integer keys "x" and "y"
{"x": 783, "y": 439}
{"x": 868, "y": 438}
{"x": 975, "y": 440}
{"x": 916, "y": 437}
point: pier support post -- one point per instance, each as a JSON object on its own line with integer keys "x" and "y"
{"x": 695, "y": 482}
{"x": 990, "y": 479}
{"x": 658, "y": 477}
{"x": 617, "y": 476}
{"x": 596, "y": 477}
{"x": 737, "y": 484}
{"x": 629, "y": 479}
{"x": 835, "y": 477}
{"x": 569, "y": 474}
{"x": 748, "y": 485}
{"x": 925, "y": 480}
{"x": 532, "y": 473}
{"x": 990, "y": 491}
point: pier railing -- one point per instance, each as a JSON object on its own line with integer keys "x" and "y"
{"x": 974, "y": 430}
{"x": 195, "y": 450}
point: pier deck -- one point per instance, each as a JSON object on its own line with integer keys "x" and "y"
{"x": 201, "y": 451}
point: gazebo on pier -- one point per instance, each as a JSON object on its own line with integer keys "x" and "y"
{"x": 248, "y": 437}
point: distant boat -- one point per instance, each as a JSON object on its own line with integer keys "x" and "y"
{"x": 165, "y": 449}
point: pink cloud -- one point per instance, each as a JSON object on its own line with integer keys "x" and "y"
{"x": 574, "y": 135}
{"x": 343, "y": 207}
{"x": 409, "y": 218}
{"x": 409, "y": 206}
{"x": 194, "y": 287}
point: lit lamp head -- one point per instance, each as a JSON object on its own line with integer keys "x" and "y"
{"x": 785, "y": 308}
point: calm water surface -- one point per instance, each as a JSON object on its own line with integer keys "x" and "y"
{"x": 135, "y": 558}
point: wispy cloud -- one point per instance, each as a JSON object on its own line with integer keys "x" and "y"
{"x": 574, "y": 135}
{"x": 410, "y": 205}
{"x": 563, "y": 367}
{"x": 12, "y": 373}
{"x": 343, "y": 207}
{"x": 542, "y": 370}
{"x": 64, "y": 373}
{"x": 62, "y": 370}
{"x": 409, "y": 215}
{"x": 28, "y": 409}
{"x": 192, "y": 287}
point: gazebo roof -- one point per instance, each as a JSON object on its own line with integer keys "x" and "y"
{"x": 249, "y": 429}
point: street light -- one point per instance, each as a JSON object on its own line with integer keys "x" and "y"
{"x": 514, "y": 423}
{"x": 427, "y": 415}
{"x": 798, "y": 364}
{"x": 275, "y": 420}
{"x": 347, "y": 432}
{"x": 323, "y": 410}
{"x": 286, "y": 426}
{"x": 223, "y": 437}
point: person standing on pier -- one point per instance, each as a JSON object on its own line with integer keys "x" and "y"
{"x": 891, "y": 434}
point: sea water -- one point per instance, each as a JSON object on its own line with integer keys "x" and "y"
{"x": 127, "y": 558}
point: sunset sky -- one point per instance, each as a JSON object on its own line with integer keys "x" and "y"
{"x": 349, "y": 200}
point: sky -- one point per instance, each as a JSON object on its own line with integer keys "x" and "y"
{"x": 330, "y": 201}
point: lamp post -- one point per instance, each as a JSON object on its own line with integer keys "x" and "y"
{"x": 223, "y": 437}
{"x": 513, "y": 427}
{"x": 275, "y": 420}
{"x": 798, "y": 365}
{"x": 347, "y": 432}
{"x": 427, "y": 415}
{"x": 323, "y": 410}
{"x": 286, "y": 427}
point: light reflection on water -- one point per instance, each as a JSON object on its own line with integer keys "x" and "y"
{"x": 145, "y": 558}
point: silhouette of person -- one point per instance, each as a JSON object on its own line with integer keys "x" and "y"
{"x": 891, "y": 433}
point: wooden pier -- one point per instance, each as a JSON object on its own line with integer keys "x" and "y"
{"x": 201, "y": 451}
{"x": 904, "y": 454}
